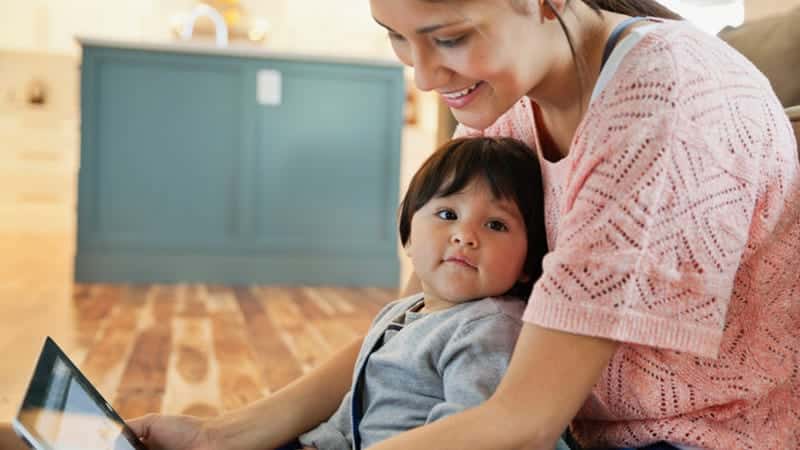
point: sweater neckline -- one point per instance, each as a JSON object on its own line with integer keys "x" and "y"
{"x": 618, "y": 54}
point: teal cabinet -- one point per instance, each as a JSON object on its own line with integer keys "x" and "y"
{"x": 189, "y": 175}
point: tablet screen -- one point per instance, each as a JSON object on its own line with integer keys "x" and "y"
{"x": 62, "y": 411}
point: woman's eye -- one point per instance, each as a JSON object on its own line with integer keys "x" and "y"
{"x": 496, "y": 225}
{"x": 450, "y": 42}
{"x": 395, "y": 36}
{"x": 446, "y": 214}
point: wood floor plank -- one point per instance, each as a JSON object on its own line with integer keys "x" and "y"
{"x": 313, "y": 304}
{"x": 366, "y": 304}
{"x": 195, "y": 305}
{"x": 318, "y": 297}
{"x": 378, "y": 295}
{"x": 276, "y": 363}
{"x": 361, "y": 303}
{"x": 192, "y": 381}
{"x": 304, "y": 342}
{"x": 163, "y": 305}
{"x": 339, "y": 305}
{"x": 239, "y": 381}
{"x": 326, "y": 322}
{"x": 141, "y": 386}
{"x": 107, "y": 358}
{"x": 93, "y": 310}
{"x": 181, "y": 348}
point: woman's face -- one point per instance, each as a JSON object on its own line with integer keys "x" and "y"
{"x": 480, "y": 56}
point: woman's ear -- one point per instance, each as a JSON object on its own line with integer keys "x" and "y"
{"x": 546, "y": 9}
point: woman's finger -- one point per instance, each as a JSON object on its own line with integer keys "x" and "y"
{"x": 141, "y": 425}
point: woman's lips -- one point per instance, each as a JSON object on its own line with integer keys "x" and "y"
{"x": 457, "y": 100}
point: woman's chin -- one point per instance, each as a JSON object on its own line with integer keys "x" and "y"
{"x": 477, "y": 120}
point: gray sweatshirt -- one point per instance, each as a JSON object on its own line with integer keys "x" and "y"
{"x": 416, "y": 368}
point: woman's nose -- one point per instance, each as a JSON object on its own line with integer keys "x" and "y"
{"x": 465, "y": 237}
{"x": 428, "y": 72}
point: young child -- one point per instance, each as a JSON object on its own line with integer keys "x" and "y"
{"x": 472, "y": 223}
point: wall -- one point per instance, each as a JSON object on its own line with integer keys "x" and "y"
{"x": 308, "y": 25}
{"x": 755, "y": 9}
{"x": 304, "y": 25}
{"x": 45, "y": 29}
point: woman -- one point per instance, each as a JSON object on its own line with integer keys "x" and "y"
{"x": 666, "y": 313}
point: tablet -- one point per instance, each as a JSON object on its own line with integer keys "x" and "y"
{"x": 63, "y": 411}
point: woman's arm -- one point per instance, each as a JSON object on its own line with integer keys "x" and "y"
{"x": 550, "y": 375}
{"x": 291, "y": 411}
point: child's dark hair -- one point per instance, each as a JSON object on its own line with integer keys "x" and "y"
{"x": 510, "y": 169}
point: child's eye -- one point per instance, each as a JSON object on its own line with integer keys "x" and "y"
{"x": 446, "y": 214}
{"x": 496, "y": 225}
{"x": 395, "y": 36}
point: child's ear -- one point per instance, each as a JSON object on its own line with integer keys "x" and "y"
{"x": 407, "y": 248}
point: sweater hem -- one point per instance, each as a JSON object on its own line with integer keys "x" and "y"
{"x": 629, "y": 327}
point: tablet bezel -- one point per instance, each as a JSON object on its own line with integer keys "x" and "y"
{"x": 50, "y": 353}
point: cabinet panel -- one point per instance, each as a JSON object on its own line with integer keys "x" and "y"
{"x": 161, "y": 168}
{"x": 186, "y": 177}
{"x": 326, "y": 168}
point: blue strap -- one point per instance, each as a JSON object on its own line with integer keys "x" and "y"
{"x": 356, "y": 402}
{"x": 615, "y": 35}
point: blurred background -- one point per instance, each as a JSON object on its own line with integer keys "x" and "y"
{"x": 40, "y": 98}
{"x": 165, "y": 151}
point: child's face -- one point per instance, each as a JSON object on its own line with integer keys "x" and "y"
{"x": 467, "y": 246}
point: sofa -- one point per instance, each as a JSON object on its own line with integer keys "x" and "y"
{"x": 773, "y": 45}
{"x": 794, "y": 117}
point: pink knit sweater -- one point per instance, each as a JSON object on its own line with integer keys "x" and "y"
{"x": 674, "y": 227}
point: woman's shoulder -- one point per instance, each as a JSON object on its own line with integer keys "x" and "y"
{"x": 676, "y": 63}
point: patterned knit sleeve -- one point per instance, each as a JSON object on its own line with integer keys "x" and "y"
{"x": 653, "y": 226}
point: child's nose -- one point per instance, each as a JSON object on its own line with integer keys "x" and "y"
{"x": 465, "y": 237}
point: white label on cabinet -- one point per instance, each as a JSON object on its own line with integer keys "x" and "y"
{"x": 269, "y": 87}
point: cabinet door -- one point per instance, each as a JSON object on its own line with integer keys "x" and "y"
{"x": 186, "y": 176}
{"x": 327, "y": 165}
{"x": 161, "y": 143}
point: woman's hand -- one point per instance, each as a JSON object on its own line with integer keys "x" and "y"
{"x": 160, "y": 432}
{"x": 265, "y": 423}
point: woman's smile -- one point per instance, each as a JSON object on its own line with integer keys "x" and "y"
{"x": 461, "y": 98}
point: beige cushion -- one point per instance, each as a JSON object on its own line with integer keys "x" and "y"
{"x": 773, "y": 45}
{"x": 794, "y": 117}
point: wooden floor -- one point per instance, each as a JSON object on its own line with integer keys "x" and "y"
{"x": 192, "y": 349}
